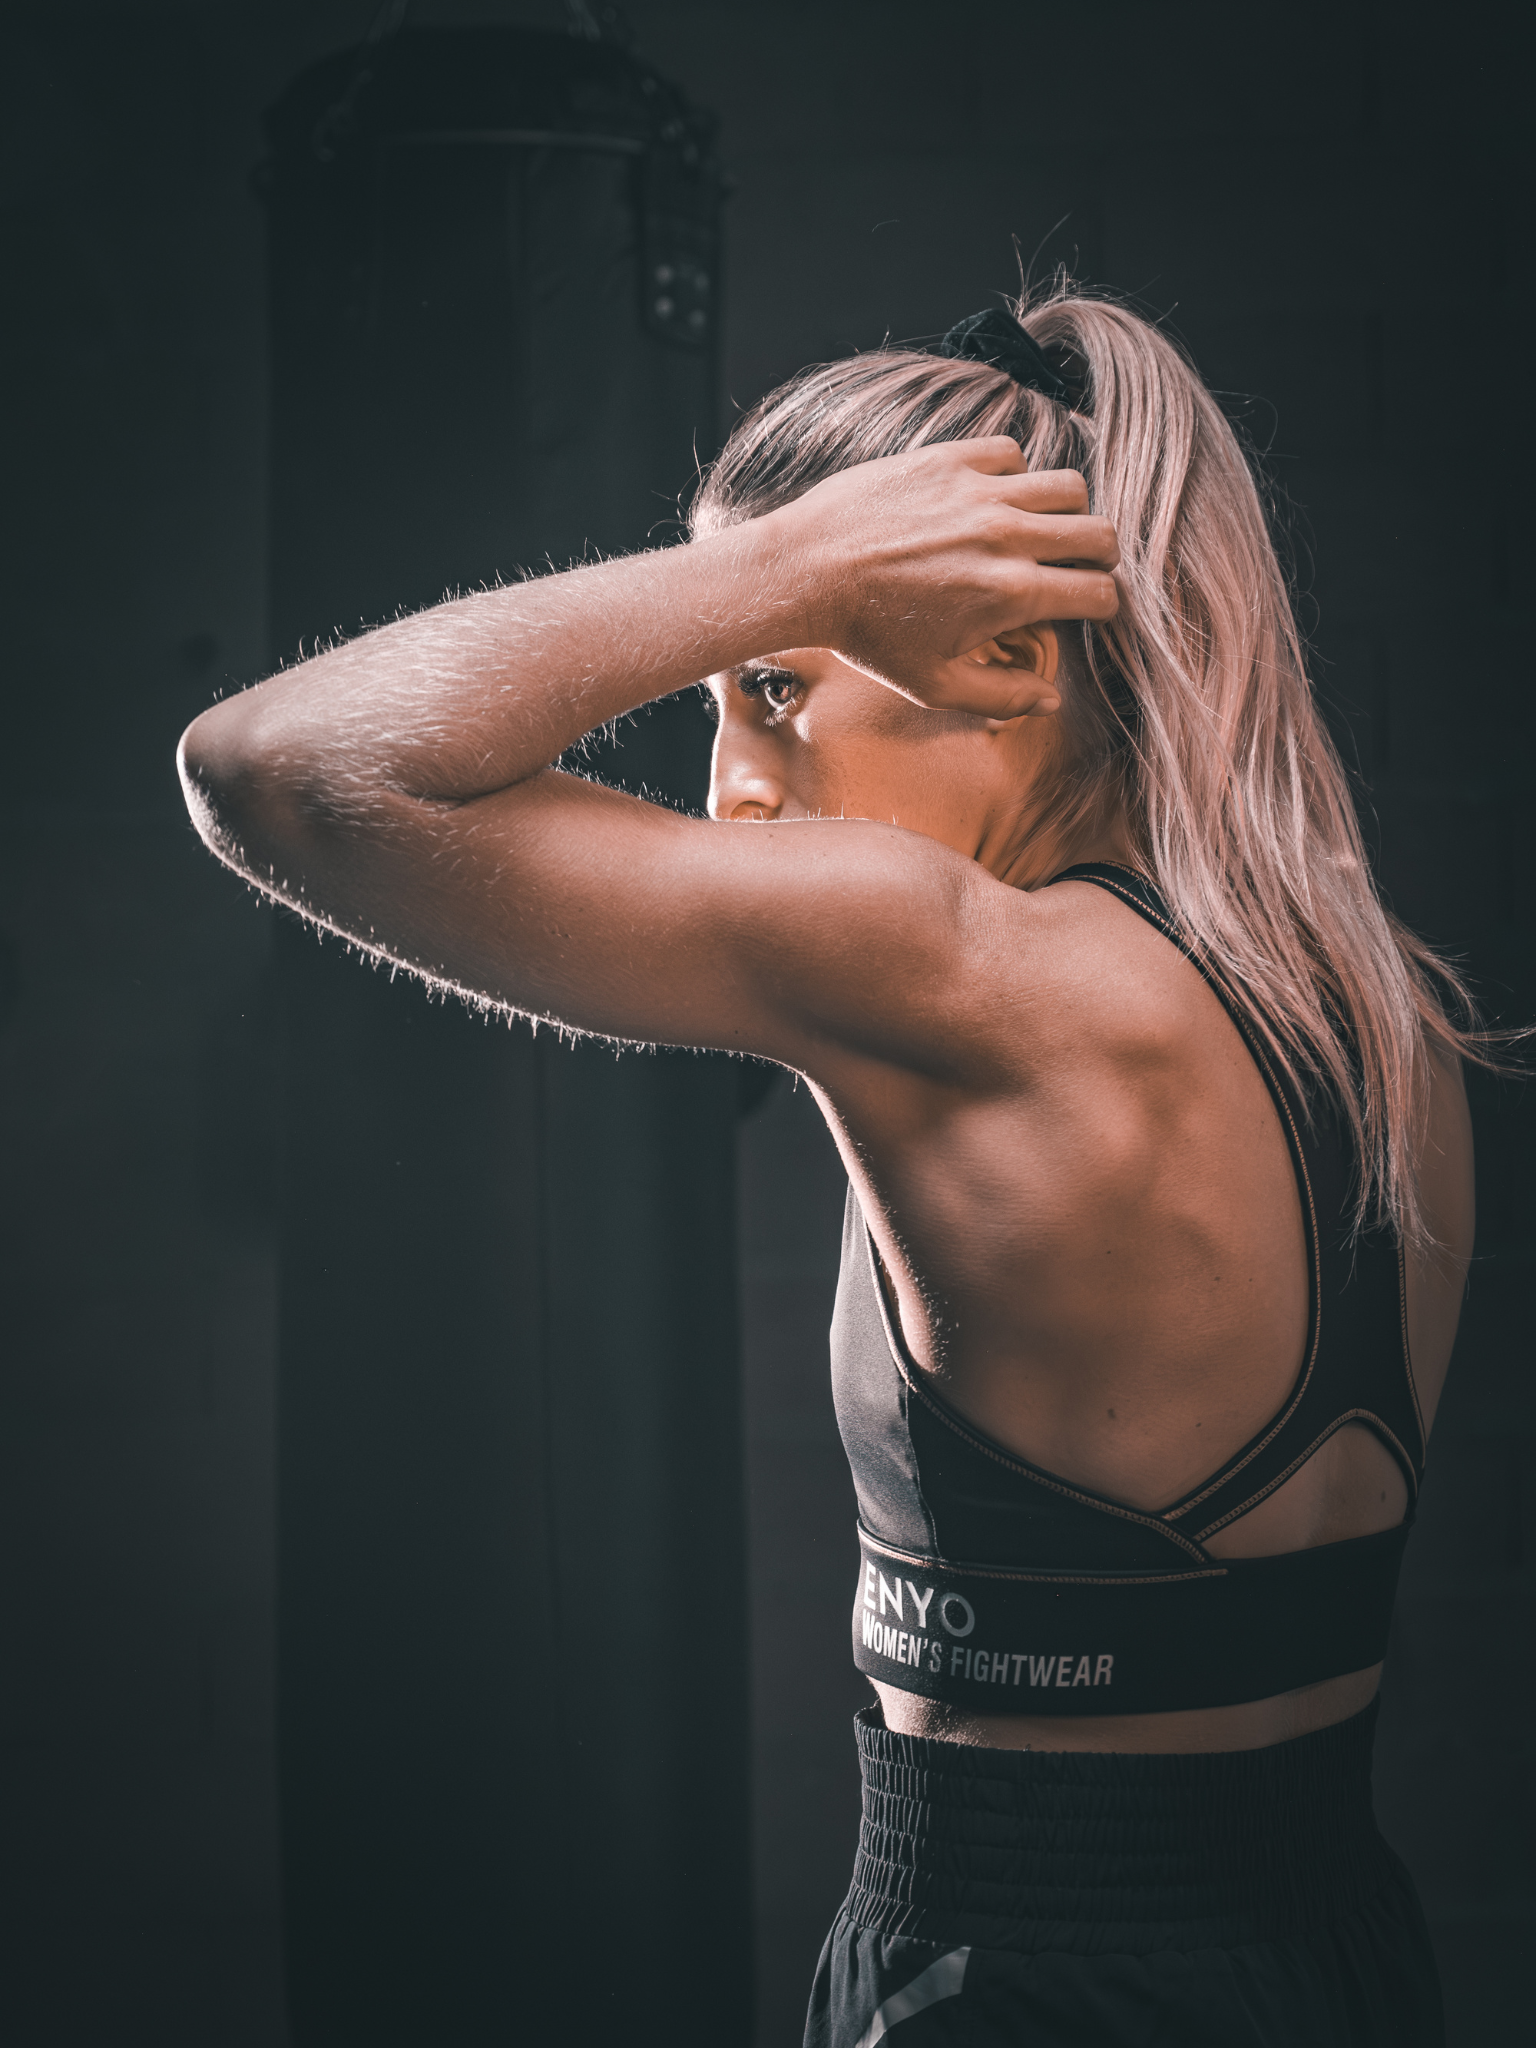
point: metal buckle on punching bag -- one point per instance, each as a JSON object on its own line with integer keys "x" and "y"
{"x": 680, "y": 253}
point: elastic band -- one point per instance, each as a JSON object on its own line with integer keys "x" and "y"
{"x": 1090, "y": 1852}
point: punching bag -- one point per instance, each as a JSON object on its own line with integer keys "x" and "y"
{"x": 512, "y": 1643}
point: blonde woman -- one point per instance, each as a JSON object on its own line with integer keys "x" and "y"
{"x": 1028, "y": 850}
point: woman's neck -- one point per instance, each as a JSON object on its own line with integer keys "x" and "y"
{"x": 1046, "y": 853}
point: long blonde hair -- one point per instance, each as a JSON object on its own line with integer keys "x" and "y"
{"x": 1193, "y": 711}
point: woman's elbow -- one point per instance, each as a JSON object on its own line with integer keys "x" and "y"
{"x": 234, "y": 791}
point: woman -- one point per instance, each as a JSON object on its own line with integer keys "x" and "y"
{"x": 1160, "y": 1170}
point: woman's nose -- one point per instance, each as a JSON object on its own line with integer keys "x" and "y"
{"x": 742, "y": 783}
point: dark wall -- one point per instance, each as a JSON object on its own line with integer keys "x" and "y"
{"x": 1324, "y": 201}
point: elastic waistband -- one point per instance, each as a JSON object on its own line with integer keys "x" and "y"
{"x": 1090, "y": 1853}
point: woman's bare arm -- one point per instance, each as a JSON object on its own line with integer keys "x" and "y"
{"x": 397, "y": 788}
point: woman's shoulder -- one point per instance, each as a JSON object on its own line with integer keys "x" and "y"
{"x": 1094, "y": 969}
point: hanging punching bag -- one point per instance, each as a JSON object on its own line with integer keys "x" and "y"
{"x": 512, "y": 1646}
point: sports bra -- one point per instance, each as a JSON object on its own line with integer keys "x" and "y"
{"x": 990, "y": 1583}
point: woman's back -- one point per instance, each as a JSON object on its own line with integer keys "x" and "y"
{"x": 1091, "y": 1232}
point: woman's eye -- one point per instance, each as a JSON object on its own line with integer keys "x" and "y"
{"x": 778, "y": 686}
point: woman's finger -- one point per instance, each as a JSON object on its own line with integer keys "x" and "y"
{"x": 985, "y": 690}
{"x": 992, "y": 454}
{"x": 1068, "y": 594}
{"x": 1058, "y": 541}
{"x": 1044, "y": 490}
{"x": 995, "y": 692}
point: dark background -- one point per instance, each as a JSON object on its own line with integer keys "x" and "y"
{"x": 1328, "y": 203}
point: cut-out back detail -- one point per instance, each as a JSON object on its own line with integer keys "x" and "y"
{"x": 1013, "y": 1572}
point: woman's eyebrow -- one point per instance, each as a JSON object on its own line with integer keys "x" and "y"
{"x": 751, "y": 675}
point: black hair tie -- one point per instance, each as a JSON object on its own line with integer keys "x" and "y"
{"x": 997, "y": 338}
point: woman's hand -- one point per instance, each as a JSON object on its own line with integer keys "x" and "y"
{"x": 918, "y": 563}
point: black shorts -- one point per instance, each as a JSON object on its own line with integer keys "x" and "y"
{"x": 1030, "y": 1899}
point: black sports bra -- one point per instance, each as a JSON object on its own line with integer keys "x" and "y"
{"x": 992, "y": 1584}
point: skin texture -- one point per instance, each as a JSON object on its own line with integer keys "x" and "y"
{"x": 1072, "y": 1170}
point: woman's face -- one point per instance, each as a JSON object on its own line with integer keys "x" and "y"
{"x": 803, "y": 735}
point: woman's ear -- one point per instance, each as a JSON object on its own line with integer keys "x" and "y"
{"x": 1034, "y": 650}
